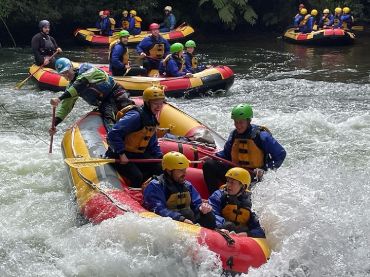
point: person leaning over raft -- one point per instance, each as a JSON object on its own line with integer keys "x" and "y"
{"x": 250, "y": 146}
{"x": 170, "y": 195}
{"x": 93, "y": 85}
{"x": 43, "y": 46}
{"x": 174, "y": 65}
{"x": 134, "y": 136}
{"x": 119, "y": 63}
{"x": 169, "y": 21}
{"x": 232, "y": 205}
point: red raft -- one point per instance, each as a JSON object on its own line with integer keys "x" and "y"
{"x": 102, "y": 194}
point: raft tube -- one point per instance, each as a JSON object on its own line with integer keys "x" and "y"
{"x": 219, "y": 78}
{"x": 102, "y": 194}
{"x": 331, "y": 37}
{"x": 90, "y": 36}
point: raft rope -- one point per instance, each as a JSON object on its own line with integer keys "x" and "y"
{"x": 10, "y": 34}
{"x": 230, "y": 241}
{"x": 20, "y": 123}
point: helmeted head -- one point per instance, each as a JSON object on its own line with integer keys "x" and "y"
{"x": 176, "y": 47}
{"x": 62, "y": 65}
{"x": 125, "y": 13}
{"x": 338, "y": 10}
{"x": 153, "y": 26}
{"x": 301, "y": 6}
{"x": 190, "y": 43}
{"x": 303, "y": 11}
{"x": 106, "y": 12}
{"x": 101, "y": 13}
{"x": 240, "y": 174}
{"x": 314, "y": 12}
{"x": 168, "y": 9}
{"x": 123, "y": 34}
{"x": 44, "y": 23}
{"x": 242, "y": 111}
{"x": 326, "y": 11}
{"x": 346, "y": 10}
{"x": 153, "y": 93}
{"x": 133, "y": 12}
{"x": 175, "y": 160}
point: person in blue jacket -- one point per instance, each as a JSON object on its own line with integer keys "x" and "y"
{"x": 346, "y": 20}
{"x": 174, "y": 65}
{"x": 169, "y": 21}
{"x": 134, "y": 137}
{"x": 191, "y": 61}
{"x": 306, "y": 25}
{"x": 326, "y": 20}
{"x": 170, "y": 195}
{"x": 299, "y": 17}
{"x": 153, "y": 48}
{"x": 119, "y": 63}
{"x": 104, "y": 24}
{"x": 249, "y": 146}
{"x": 134, "y": 23}
{"x": 232, "y": 205}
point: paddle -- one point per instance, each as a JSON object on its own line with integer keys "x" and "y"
{"x": 20, "y": 84}
{"x": 93, "y": 162}
{"x": 52, "y": 127}
{"x": 357, "y": 28}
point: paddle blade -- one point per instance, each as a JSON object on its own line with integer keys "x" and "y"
{"x": 87, "y": 162}
{"x": 357, "y": 28}
{"x": 20, "y": 84}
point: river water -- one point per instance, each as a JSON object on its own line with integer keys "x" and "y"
{"x": 315, "y": 208}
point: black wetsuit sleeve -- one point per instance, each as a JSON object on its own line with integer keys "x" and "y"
{"x": 36, "y": 45}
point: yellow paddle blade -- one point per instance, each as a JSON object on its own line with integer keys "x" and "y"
{"x": 357, "y": 28}
{"x": 87, "y": 162}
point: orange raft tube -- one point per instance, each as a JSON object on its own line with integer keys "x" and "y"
{"x": 91, "y": 36}
{"x": 219, "y": 78}
{"x": 102, "y": 194}
{"x": 321, "y": 37}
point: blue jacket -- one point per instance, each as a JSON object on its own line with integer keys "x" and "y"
{"x": 274, "y": 152}
{"x": 172, "y": 67}
{"x": 116, "y": 57}
{"x": 131, "y": 28}
{"x": 308, "y": 27}
{"x": 188, "y": 64}
{"x": 297, "y": 19}
{"x": 156, "y": 195}
{"x": 169, "y": 22}
{"x": 104, "y": 26}
{"x": 346, "y": 18}
{"x": 147, "y": 43}
{"x": 216, "y": 200}
{"x": 330, "y": 22}
{"x": 129, "y": 123}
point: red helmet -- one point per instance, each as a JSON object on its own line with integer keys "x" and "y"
{"x": 106, "y": 12}
{"x": 301, "y": 6}
{"x": 153, "y": 26}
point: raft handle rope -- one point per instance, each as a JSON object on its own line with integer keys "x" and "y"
{"x": 230, "y": 241}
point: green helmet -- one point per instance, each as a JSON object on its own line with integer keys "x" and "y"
{"x": 190, "y": 43}
{"x": 242, "y": 111}
{"x": 176, "y": 47}
{"x": 123, "y": 33}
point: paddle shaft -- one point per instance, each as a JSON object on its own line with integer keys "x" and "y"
{"x": 52, "y": 127}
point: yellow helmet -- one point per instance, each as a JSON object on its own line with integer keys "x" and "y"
{"x": 240, "y": 174}
{"x": 326, "y": 11}
{"x": 153, "y": 93}
{"x": 346, "y": 10}
{"x": 303, "y": 11}
{"x": 174, "y": 160}
{"x": 338, "y": 10}
{"x": 133, "y": 12}
{"x": 314, "y": 12}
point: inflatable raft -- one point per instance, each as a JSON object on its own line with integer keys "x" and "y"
{"x": 321, "y": 37}
{"x": 91, "y": 36}
{"x": 219, "y": 78}
{"x": 102, "y": 194}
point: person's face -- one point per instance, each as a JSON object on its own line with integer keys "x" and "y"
{"x": 155, "y": 32}
{"x": 46, "y": 29}
{"x": 233, "y": 186}
{"x": 69, "y": 74}
{"x": 125, "y": 14}
{"x": 241, "y": 125}
{"x": 166, "y": 12}
{"x": 181, "y": 54}
{"x": 124, "y": 40}
{"x": 190, "y": 50}
{"x": 156, "y": 105}
{"x": 178, "y": 175}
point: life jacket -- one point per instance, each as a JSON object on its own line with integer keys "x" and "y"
{"x": 137, "y": 142}
{"x": 194, "y": 60}
{"x": 125, "y": 23}
{"x": 138, "y": 21}
{"x": 304, "y": 20}
{"x": 47, "y": 47}
{"x": 99, "y": 85}
{"x": 157, "y": 49}
{"x": 336, "y": 20}
{"x": 244, "y": 150}
{"x": 125, "y": 56}
{"x": 112, "y": 23}
{"x": 163, "y": 64}
{"x": 236, "y": 208}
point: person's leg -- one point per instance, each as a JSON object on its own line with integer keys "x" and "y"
{"x": 108, "y": 109}
{"x": 131, "y": 173}
{"x": 136, "y": 71}
{"x": 214, "y": 174}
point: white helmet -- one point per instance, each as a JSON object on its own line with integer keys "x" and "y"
{"x": 168, "y": 8}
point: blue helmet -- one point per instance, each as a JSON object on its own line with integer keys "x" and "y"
{"x": 62, "y": 65}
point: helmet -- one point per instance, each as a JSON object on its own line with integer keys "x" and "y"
{"x": 240, "y": 174}
{"x": 106, "y": 12}
{"x": 326, "y": 11}
{"x": 123, "y": 33}
{"x": 314, "y": 12}
{"x": 338, "y": 10}
{"x": 44, "y": 23}
{"x": 101, "y": 13}
{"x": 125, "y": 12}
{"x": 242, "y": 111}
{"x": 133, "y": 12}
{"x": 153, "y": 93}
{"x": 62, "y": 65}
{"x": 174, "y": 160}
{"x": 346, "y": 10}
{"x": 153, "y": 26}
{"x": 190, "y": 43}
{"x": 176, "y": 47}
{"x": 303, "y": 11}
{"x": 168, "y": 8}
